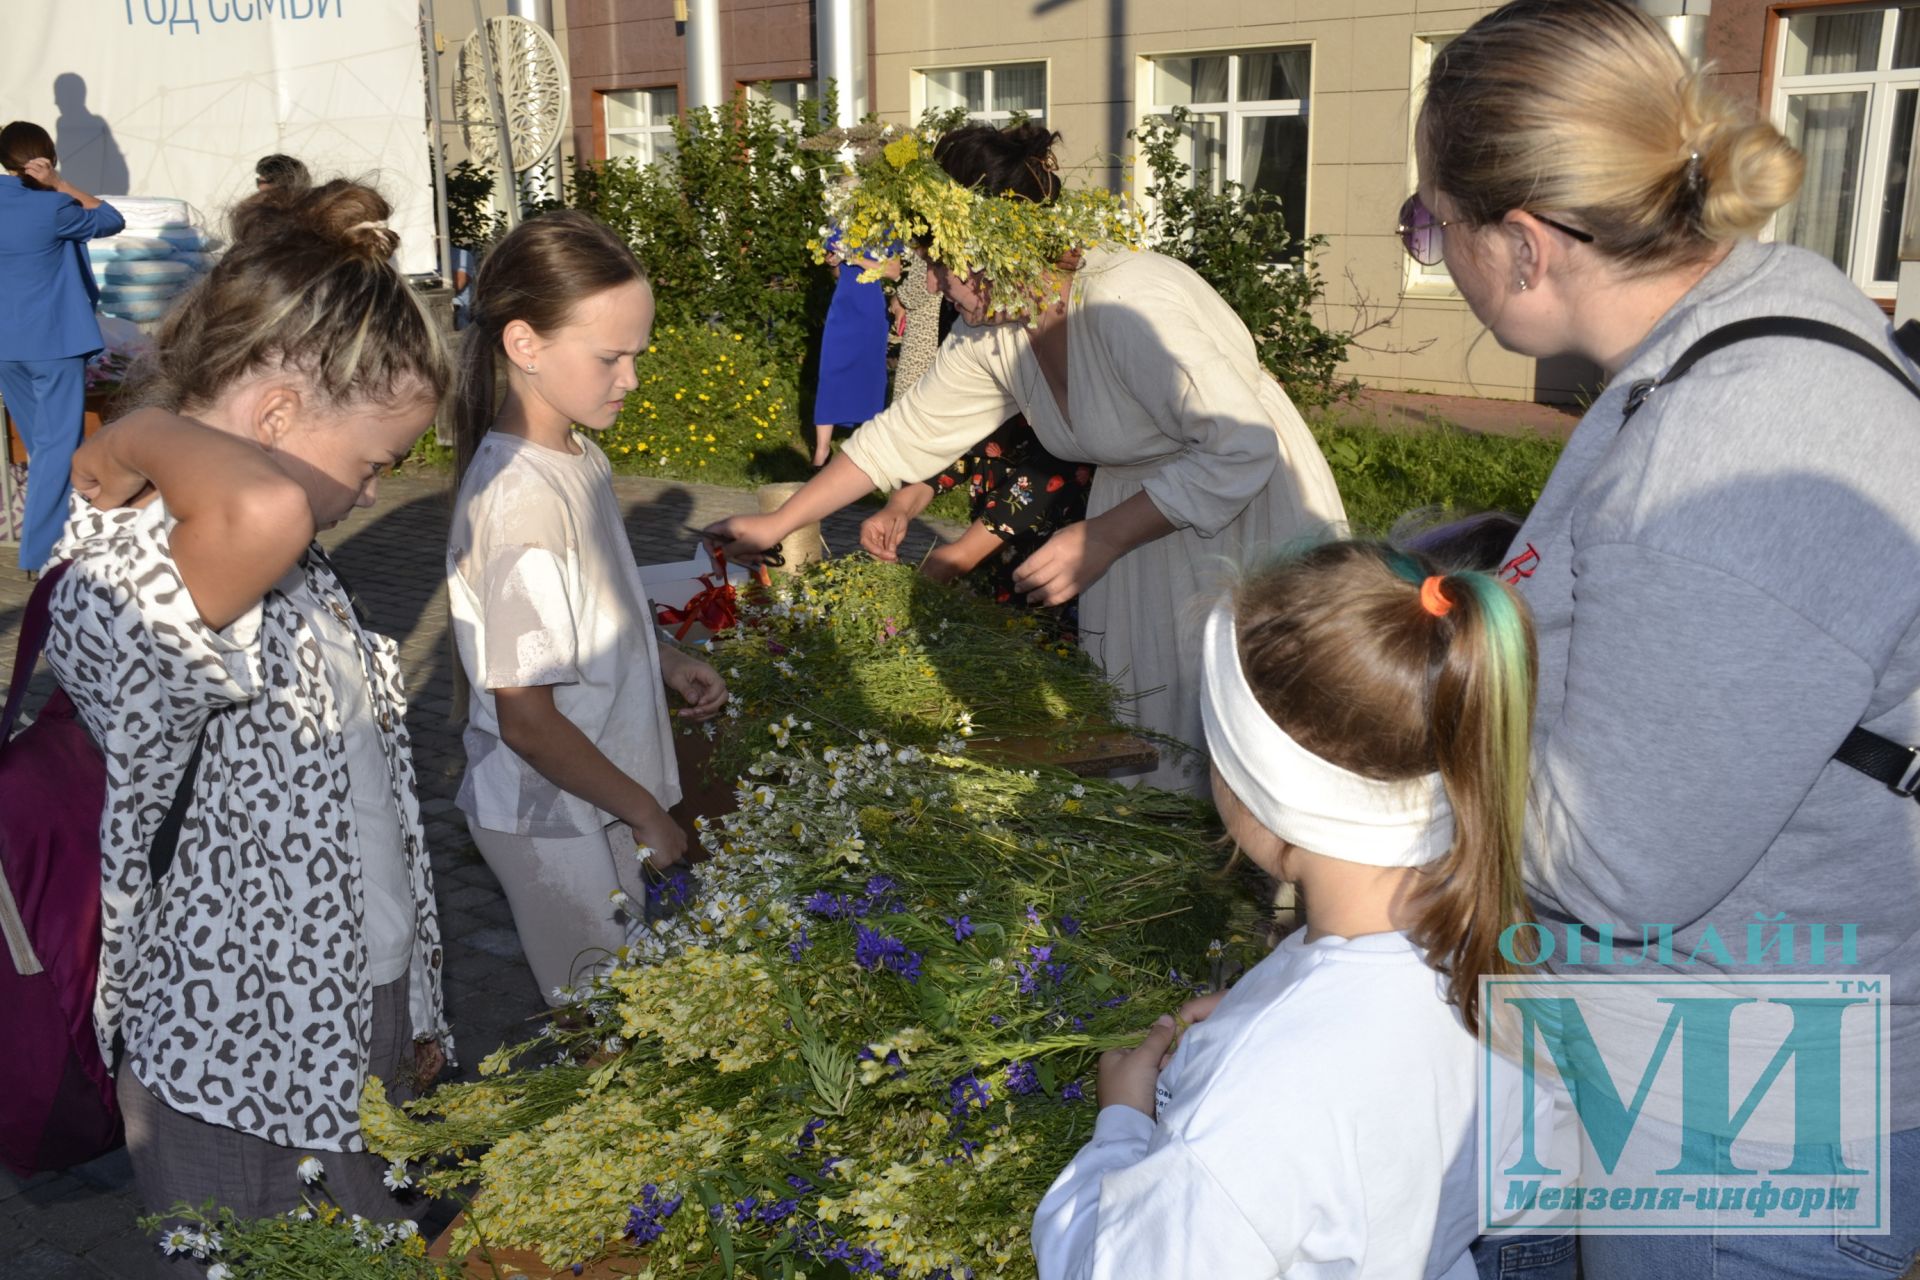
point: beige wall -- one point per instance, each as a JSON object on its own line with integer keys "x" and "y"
{"x": 1364, "y": 58}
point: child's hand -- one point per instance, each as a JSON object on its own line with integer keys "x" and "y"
{"x": 99, "y": 474}
{"x": 697, "y": 682}
{"x": 663, "y": 835}
{"x": 1128, "y": 1076}
{"x": 429, "y": 1060}
{"x": 1195, "y": 1010}
{"x": 882, "y": 533}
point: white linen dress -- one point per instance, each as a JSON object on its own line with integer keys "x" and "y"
{"x": 1166, "y": 396}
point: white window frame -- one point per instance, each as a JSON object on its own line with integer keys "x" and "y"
{"x": 1233, "y": 112}
{"x": 1420, "y": 280}
{"x": 650, "y": 134}
{"x": 1882, "y": 85}
{"x": 920, "y": 95}
{"x": 809, "y": 91}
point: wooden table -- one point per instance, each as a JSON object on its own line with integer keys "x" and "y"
{"x": 524, "y": 1264}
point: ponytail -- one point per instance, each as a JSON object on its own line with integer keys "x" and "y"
{"x": 1481, "y": 712}
{"x": 1372, "y": 658}
{"x": 474, "y": 394}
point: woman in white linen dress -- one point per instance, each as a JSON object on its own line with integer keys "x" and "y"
{"x": 1141, "y": 369}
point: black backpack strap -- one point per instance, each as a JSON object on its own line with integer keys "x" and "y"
{"x": 1881, "y": 759}
{"x": 1908, "y": 339}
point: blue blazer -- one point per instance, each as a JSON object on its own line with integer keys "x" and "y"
{"x": 47, "y": 291}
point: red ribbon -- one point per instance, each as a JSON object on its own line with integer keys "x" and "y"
{"x": 715, "y": 606}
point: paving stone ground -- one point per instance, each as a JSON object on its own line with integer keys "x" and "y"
{"x": 79, "y": 1225}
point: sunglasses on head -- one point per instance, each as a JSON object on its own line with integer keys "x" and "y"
{"x": 1420, "y": 231}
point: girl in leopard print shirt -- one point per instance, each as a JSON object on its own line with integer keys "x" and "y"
{"x": 291, "y": 949}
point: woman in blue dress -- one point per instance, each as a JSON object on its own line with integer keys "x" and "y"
{"x": 853, "y": 349}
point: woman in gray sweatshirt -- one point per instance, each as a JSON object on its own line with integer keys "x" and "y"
{"x": 1725, "y": 580}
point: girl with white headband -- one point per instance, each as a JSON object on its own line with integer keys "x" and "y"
{"x": 1368, "y": 721}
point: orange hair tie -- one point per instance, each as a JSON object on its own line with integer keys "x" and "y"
{"x": 1432, "y": 599}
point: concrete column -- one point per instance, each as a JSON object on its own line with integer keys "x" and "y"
{"x": 840, "y": 31}
{"x": 706, "y": 87}
{"x": 1686, "y": 23}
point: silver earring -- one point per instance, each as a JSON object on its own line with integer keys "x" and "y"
{"x": 1523, "y": 284}
{"x": 530, "y": 367}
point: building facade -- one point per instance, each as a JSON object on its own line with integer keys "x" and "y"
{"x": 1312, "y": 100}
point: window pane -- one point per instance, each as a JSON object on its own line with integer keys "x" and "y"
{"x": 1207, "y": 149}
{"x": 1273, "y": 160}
{"x": 1020, "y": 88}
{"x": 632, "y": 146}
{"x": 1181, "y": 82}
{"x": 1826, "y": 44}
{"x": 1274, "y": 75}
{"x": 1893, "y": 192}
{"x": 1828, "y": 129}
{"x": 1906, "y": 40}
{"x": 663, "y": 105}
{"x": 623, "y": 108}
{"x": 957, "y": 87}
{"x": 663, "y": 144}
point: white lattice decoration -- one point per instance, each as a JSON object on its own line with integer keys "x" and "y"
{"x": 533, "y": 91}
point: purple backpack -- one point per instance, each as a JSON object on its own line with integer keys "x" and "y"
{"x": 60, "y": 1108}
{"x": 53, "y": 783}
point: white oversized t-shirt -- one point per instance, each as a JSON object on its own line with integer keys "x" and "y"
{"x": 543, "y": 589}
{"x": 1322, "y": 1123}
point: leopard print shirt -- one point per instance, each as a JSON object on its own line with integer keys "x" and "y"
{"x": 239, "y": 981}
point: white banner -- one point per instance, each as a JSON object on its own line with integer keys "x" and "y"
{"x": 179, "y": 98}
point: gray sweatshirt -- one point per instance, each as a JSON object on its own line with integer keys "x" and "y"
{"x": 1723, "y": 587}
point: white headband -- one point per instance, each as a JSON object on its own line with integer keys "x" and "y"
{"x": 1298, "y": 796}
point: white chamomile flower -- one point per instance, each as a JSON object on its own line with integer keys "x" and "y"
{"x": 218, "y": 1271}
{"x": 406, "y": 1229}
{"x": 396, "y": 1177}
{"x": 644, "y": 852}
{"x": 310, "y": 1170}
{"x": 1077, "y": 791}
{"x": 618, "y": 897}
{"x": 178, "y": 1240}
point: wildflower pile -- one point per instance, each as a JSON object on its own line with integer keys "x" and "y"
{"x": 868, "y": 1045}
{"x": 316, "y": 1239}
{"x": 854, "y": 646}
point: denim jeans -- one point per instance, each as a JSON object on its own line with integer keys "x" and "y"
{"x": 1758, "y": 1256}
{"x": 1526, "y": 1257}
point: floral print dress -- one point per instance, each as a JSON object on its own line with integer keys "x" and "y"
{"x": 1024, "y": 495}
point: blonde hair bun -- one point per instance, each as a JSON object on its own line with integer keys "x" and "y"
{"x": 1584, "y": 109}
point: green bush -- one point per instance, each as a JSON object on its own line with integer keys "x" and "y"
{"x": 713, "y": 405}
{"x": 723, "y": 224}
{"x": 1384, "y": 475}
{"x": 1239, "y": 243}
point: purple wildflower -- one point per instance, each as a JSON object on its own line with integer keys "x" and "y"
{"x": 1021, "y": 1079}
{"x": 1069, "y": 926}
{"x": 646, "y": 1222}
{"x": 1072, "y": 1092}
{"x": 1033, "y": 914}
{"x": 815, "y": 1125}
{"x": 873, "y": 950}
{"x": 962, "y": 927}
{"x": 800, "y": 943}
{"x": 969, "y": 1091}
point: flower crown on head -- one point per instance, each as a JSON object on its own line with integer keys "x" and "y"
{"x": 901, "y": 194}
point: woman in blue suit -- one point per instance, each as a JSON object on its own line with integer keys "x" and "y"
{"x": 47, "y": 328}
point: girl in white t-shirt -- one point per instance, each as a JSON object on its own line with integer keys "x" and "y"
{"x": 1368, "y": 723}
{"x": 570, "y": 767}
